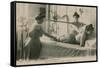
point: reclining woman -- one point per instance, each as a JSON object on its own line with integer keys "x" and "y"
{"x": 33, "y": 49}
{"x": 79, "y": 32}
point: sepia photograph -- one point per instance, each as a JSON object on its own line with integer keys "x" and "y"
{"x": 55, "y": 33}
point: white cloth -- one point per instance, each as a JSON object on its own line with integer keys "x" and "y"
{"x": 28, "y": 39}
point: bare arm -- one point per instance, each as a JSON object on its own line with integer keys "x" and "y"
{"x": 48, "y": 35}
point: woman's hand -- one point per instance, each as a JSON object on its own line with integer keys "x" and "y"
{"x": 54, "y": 38}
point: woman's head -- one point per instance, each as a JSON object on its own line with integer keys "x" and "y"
{"x": 40, "y": 18}
{"x": 89, "y": 29}
{"x": 76, "y": 17}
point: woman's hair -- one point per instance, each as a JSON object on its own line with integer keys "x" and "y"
{"x": 89, "y": 27}
{"x": 76, "y": 14}
{"x": 40, "y": 16}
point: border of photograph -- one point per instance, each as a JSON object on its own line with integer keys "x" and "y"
{"x": 13, "y": 32}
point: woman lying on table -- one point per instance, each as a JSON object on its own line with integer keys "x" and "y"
{"x": 79, "y": 32}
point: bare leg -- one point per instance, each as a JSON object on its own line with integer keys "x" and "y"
{"x": 83, "y": 39}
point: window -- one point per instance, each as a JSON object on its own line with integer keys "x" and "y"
{"x": 57, "y": 20}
